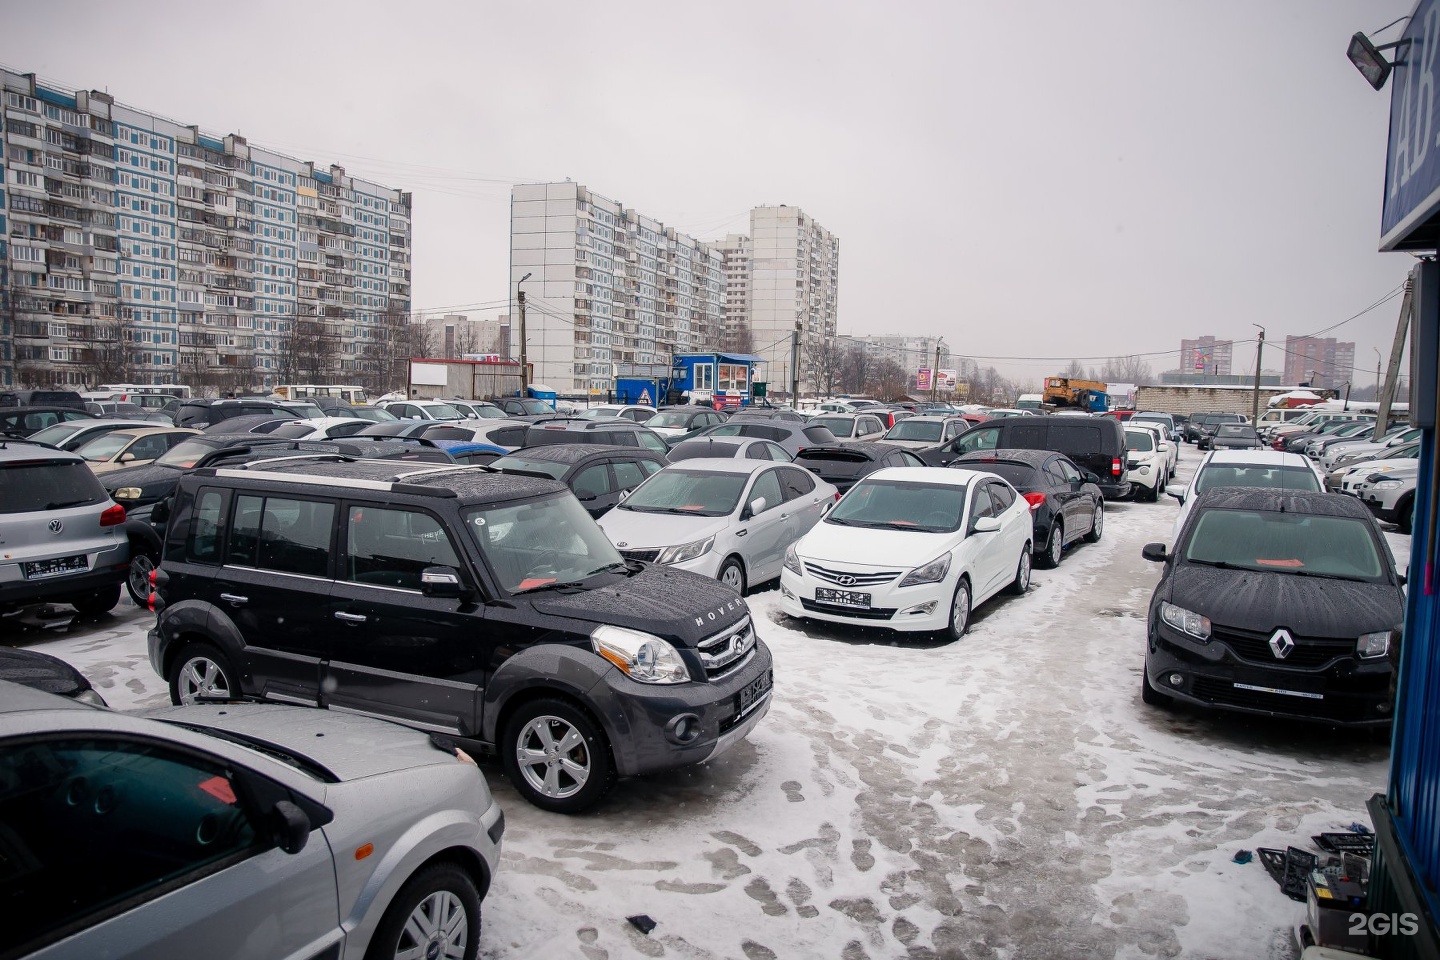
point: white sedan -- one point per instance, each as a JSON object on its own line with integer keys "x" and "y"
{"x": 728, "y": 519}
{"x": 324, "y": 428}
{"x": 911, "y": 549}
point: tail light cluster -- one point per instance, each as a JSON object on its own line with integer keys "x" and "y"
{"x": 1115, "y": 466}
{"x": 113, "y": 516}
{"x": 1036, "y": 499}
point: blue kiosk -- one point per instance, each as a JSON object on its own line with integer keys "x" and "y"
{"x": 727, "y": 377}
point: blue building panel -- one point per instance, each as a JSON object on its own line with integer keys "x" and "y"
{"x": 55, "y": 97}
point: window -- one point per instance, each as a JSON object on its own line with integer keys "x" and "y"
{"x": 288, "y": 536}
{"x": 629, "y": 474}
{"x": 391, "y": 548}
{"x": 592, "y": 482}
{"x": 205, "y": 527}
{"x": 1075, "y": 439}
{"x": 143, "y": 818}
{"x": 981, "y": 506}
{"x": 767, "y": 485}
{"x": 1002, "y": 496}
{"x": 797, "y": 483}
{"x": 704, "y": 376}
{"x": 978, "y": 440}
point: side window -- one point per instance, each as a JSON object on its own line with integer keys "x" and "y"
{"x": 1075, "y": 439}
{"x": 205, "y": 527}
{"x": 1055, "y": 475}
{"x": 778, "y": 453}
{"x": 796, "y": 483}
{"x": 910, "y": 460}
{"x": 245, "y": 535}
{"x": 767, "y": 485}
{"x": 981, "y": 505}
{"x": 592, "y": 482}
{"x": 952, "y": 430}
{"x": 981, "y": 439}
{"x": 390, "y": 548}
{"x": 1002, "y": 496}
{"x": 288, "y": 536}
{"x": 872, "y": 425}
{"x": 148, "y": 448}
{"x": 629, "y": 474}
{"x": 652, "y": 441}
{"x": 651, "y": 467}
{"x": 757, "y": 451}
{"x": 143, "y": 818}
{"x": 508, "y": 436}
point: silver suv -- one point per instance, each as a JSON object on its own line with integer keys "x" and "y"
{"x": 62, "y": 538}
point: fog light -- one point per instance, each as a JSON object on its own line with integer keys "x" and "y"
{"x": 1176, "y": 679}
{"x": 920, "y": 609}
{"x": 683, "y": 729}
{"x": 785, "y": 592}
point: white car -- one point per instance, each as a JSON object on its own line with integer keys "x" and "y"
{"x": 925, "y": 431}
{"x": 1360, "y": 447}
{"x": 1147, "y": 467}
{"x": 1356, "y": 475}
{"x": 326, "y": 428}
{"x": 422, "y": 410}
{"x": 911, "y": 549}
{"x": 1168, "y": 447}
{"x": 626, "y": 410}
{"x": 1244, "y": 468}
{"x": 728, "y": 519}
{"x": 851, "y": 426}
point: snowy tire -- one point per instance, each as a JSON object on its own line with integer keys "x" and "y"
{"x": 1097, "y": 524}
{"x": 1149, "y": 694}
{"x": 959, "y": 611}
{"x": 557, "y": 757}
{"x": 1054, "y": 547}
{"x": 1021, "y": 583}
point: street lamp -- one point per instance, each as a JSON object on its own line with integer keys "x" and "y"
{"x": 524, "y": 370}
{"x": 935, "y": 371}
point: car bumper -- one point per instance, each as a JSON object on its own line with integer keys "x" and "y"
{"x": 1115, "y": 489}
{"x": 707, "y": 564}
{"x": 1382, "y": 509}
{"x": 107, "y": 567}
{"x": 1348, "y": 692}
{"x": 1146, "y": 475}
{"x": 891, "y": 606}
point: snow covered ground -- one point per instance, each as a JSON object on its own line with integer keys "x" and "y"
{"x": 1004, "y": 796}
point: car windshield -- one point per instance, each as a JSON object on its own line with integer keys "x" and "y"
{"x": 185, "y": 454}
{"x": 601, "y": 413}
{"x": 669, "y": 420}
{"x": 916, "y": 430}
{"x": 695, "y": 493}
{"x": 442, "y": 411}
{"x": 898, "y": 505}
{"x": 548, "y": 468}
{"x": 1239, "y": 431}
{"x": 28, "y": 486}
{"x": 840, "y": 426}
{"x": 486, "y": 411}
{"x": 293, "y": 431}
{"x": 541, "y": 543}
{"x": 1256, "y": 475}
{"x": 58, "y": 433}
{"x": 374, "y": 414}
{"x": 536, "y": 407}
{"x": 102, "y": 448}
{"x": 1152, "y": 418}
{"x": 1289, "y": 543}
{"x": 1142, "y": 440}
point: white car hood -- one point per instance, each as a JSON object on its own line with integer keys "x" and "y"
{"x": 893, "y": 549}
{"x": 633, "y": 530}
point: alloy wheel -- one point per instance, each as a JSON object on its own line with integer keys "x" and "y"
{"x": 553, "y": 757}
{"x": 438, "y": 927}
{"x": 203, "y": 677}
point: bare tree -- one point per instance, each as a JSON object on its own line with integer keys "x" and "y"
{"x": 822, "y": 362}
{"x": 105, "y": 354}
{"x": 738, "y": 339}
{"x": 1075, "y": 370}
{"x": 1126, "y": 370}
{"x": 888, "y": 379}
{"x": 855, "y": 369}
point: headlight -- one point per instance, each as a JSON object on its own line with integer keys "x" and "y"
{"x": 685, "y": 551}
{"x": 1373, "y": 645}
{"x": 932, "y": 572}
{"x": 127, "y": 493}
{"x": 792, "y": 561}
{"x": 642, "y": 656}
{"x": 1185, "y": 621}
{"x": 1388, "y": 485}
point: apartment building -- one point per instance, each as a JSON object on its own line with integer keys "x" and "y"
{"x": 910, "y": 352}
{"x": 606, "y": 286}
{"x": 134, "y": 248}
{"x": 457, "y": 334}
{"x": 1319, "y": 361}
{"x": 734, "y": 253}
{"x": 794, "y": 280}
{"x": 1206, "y": 356}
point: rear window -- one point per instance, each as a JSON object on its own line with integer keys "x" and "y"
{"x": 835, "y": 463}
{"x": 1076, "y": 439}
{"x": 1256, "y": 475}
{"x": 819, "y": 435}
{"x": 1141, "y": 440}
{"x": 1019, "y": 475}
{"x": 29, "y": 486}
{"x": 689, "y": 449}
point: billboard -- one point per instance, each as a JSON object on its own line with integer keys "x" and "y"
{"x": 922, "y": 378}
{"x": 1412, "y": 158}
{"x": 947, "y": 379}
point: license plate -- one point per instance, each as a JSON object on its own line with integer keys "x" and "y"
{"x": 753, "y": 691}
{"x": 1284, "y": 693}
{"x": 39, "y": 569}
{"x": 844, "y": 598}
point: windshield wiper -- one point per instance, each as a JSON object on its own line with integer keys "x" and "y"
{"x": 68, "y": 503}
{"x": 570, "y": 585}
{"x": 618, "y": 564}
{"x": 275, "y": 751}
{"x": 1223, "y": 565}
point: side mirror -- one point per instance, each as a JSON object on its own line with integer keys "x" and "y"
{"x": 126, "y": 457}
{"x": 289, "y": 827}
{"x": 757, "y": 505}
{"x": 985, "y": 525}
{"x": 443, "y": 582}
{"x": 1402, "y": 578}
{"x": 1177, "y": 490}
{"x": 160, "y": 513}
{"x": 624, "y": 494}
{"x": 1091, "y": 477}
{"x": 828, "y": 507}
{"x": 1155, "y": 552}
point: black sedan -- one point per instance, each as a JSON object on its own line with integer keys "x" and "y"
{"x": 1275, "y": 602}
{"x": 599, "y": 475}
{"x": 1065, "y": 503}
{"x": 1236, "y": 436}
{"x": 23, "y": 421}
{"x": 843, "y": 464}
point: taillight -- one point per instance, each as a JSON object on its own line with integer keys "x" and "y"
{"x": 1115, "y": 466}
{"x": 1036, "y": 499}
{"x": 838, "y": 495}
{"x": 113, "y": 516}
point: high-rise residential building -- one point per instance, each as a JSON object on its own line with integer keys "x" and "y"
{"x": 1320, "y": 362}
{"x": 794, "y": 281}
{"x": 457, "y": 334}
{"x": 134, "y": 248}
{"x": 909, "y": 351}
{"x": 734, "y": 253}
{"x": 607, "y": 287}
{"x": 1206, "y": 356}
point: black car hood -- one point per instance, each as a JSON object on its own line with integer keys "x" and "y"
{"x": 140, "y": 476}
{"x": 1307, "y": 606}
{"x": 673, "y": 604}
{"x": 41, "y": 671}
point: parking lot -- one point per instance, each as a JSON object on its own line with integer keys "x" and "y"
{"x": 1006, "y": 795}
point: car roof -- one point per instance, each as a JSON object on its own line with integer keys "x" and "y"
{"x": 466, "y": 482}
{"x": 1287, "y": 501}
{"x": 18, "y": 698}
{"x": 575, "y": 452}
{"x": 874, "y": 449}
{"x": 723, "y": 464}
{"x": 933, "y": 418}
{"x": 1272, "y": 457}
{"x": 1032, "y": 458}
{"x": 144, "y": 429}
{"x": 16, "y": 448}
{"x": 944, "y": 475}
{"x": 580, "y": 423}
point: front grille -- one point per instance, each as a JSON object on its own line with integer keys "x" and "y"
{"x": 648, "y": 556}
{"x": 1309, "y": 653}
{"x": 852, "y": 578}
{"x": 1342, "y": 708}
{"x": 859, "y": 613}
{"x": 728, "y": 650}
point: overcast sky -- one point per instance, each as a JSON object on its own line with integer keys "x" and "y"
{"x": 1052, "y": 180}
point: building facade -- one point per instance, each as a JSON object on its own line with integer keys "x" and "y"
{"x": 794, "y": 285}
{"x": 1206, "y": 356}
{"x": 734, "y": 253}
{"x": 1321, "y": 362}
{"x": 606, "y": 286}
{"x": 456, "y": 335}
{"x": 136, "y": 249}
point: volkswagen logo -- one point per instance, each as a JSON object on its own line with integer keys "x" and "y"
{"x": 845, "y": 581}
{"x": 56, "y": 526}
{"x": 1281, "y": 644}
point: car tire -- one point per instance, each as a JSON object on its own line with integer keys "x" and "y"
{"x": 732, "y": 574}
{"x": 200, "y": 670}
{"x": 552, "y": 720}
{"x": 1405, "y": 516}
{"x": 1021, "y": 583}
{"x": 1154, "y": 495}
{"x": 137, "y": 582}
{"x": 959, "y": 611}
{"x": 1097, "y": 523}
{"x": 1148, "y": 694}
{"x": 94, "y": 604}
{"x": 441, "y": 903}
{"x": 1054, "y": 546}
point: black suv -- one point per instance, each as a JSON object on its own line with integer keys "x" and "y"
{"x": 1095, "y": 444}
{"x": 486, "y": 607}
{"x": 201, "y": 412}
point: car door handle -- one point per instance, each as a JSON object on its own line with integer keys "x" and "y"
{"x": 741, "y": 533}
{"x": 784, "y": 516}
{"x": 349, "y": 617}
{"x": 233, "y": 598}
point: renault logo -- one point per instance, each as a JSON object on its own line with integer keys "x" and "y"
{"x": 56, "y": 526}
{"x": 845, "y": 581}
{"x": 1281, "y": 644}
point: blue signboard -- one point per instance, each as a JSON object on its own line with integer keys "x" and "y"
{"x": 1412, "y": 157}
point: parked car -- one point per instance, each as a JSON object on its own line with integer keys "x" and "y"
{"x": 617, "y": 430}
{"x": 628, "y": 411}
{"x": 62, "y": 534}
{"x": 1355, "y": 449}
{"x": 1315, "y": 446}
{"x": 73, "y": 434}
{"x": 1210, "y": 423}
{"x": 509, "y": 433}
{"x": 42, "y": 398}
{"x": 1312, "y": 420}
{"x": 251, "y": 423}
{"x": 134, "y": 447}
{"x": 416, "y": 428}
{"x": 492, "y": 606}
{"x": 745, "y": 447}
{"x": 791, "y": 436}
{"x": 1145, "y": 465}
{"x": 1000, "y": 413}
{"x": 1066, "y": 504}
{"x": 422, "y": 410}
{"x": 201, "y": 412}
{"x": 1279, "y": 416}
{"x": 599, "y": 475}
{"x": 1275, "y": 602}
{"x": 911, "y": 550}
{"x": 1168, "y": 449}
{"x": 842, "y": 464}
{"x": 470, "y": 452}
{"x": 32, "y": 668}
{"x": 373, "y": 414}
{"x": 1349, "y": 477}
{"x": 1296, "y": 440}
{"x": 1235, "y": 436}
{"x": 1390, "y": 495}
{"x": 118, "y": 409}
{"x": 255, "y": 820}
{"x": 26, "y": 421}
{"x": 728, "y": 519}
{"x": 325, "y": 428}
{"x": 1165, "y": 420}
{"x": 1095, "y": 444}
{"x": 524, "y": 407}
{"x": 1269, "y": 469}
{"x": 891, "y": 415}
{"x": 851, "y": 426}
{"x": 759, "y": 412}
{"x": 924, "y": 431}
{"x": 672, "y": 422}
{"x": 477, "y": 409}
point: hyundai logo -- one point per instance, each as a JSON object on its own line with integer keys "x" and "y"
{"x": 845, "y": 581}
{"x": 1280, "y": 644}
{"x": 56, "y": 526}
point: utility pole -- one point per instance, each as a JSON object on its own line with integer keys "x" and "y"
{"x": 795, "y": 366}
{"x": 1259, "y": 351}
{"x": 1392, "y": 372}
{"x": 524, "y": 370}
{"x": 935, "y": 371}
{"x": 1377, "y": 372}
